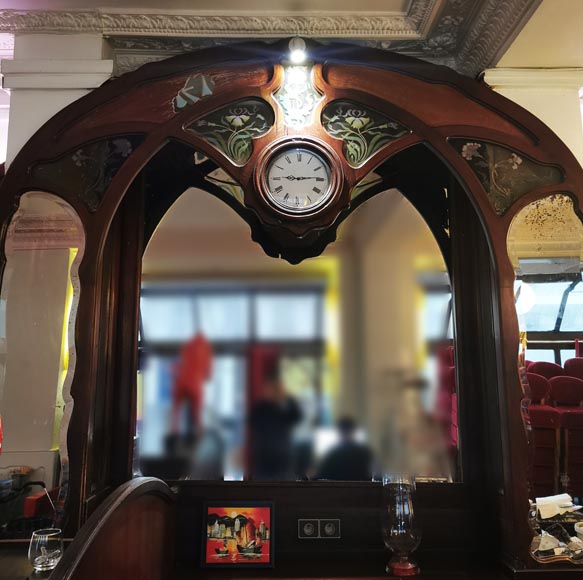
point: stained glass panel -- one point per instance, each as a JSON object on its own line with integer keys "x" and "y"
{"x": 506, "y": 175}
{"x": 232, "y": 129}
{"x": 362, "y": 130}
{"x": 87, "y": 171}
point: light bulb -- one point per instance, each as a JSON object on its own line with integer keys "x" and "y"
{"x": 297, "y": 50}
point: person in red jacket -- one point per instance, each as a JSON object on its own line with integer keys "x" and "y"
{"x": 193, "y": 368}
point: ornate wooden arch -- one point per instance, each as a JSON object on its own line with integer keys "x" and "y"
{"x": 94, "y": 154}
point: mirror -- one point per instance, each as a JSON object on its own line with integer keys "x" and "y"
{"x": 545, "y": 245}
{"x": 338, "y": 368}
{"x": 44, "y": 246}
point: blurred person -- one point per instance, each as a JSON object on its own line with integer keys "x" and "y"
{"x": 272, "y": 420}
{"x": 192, "y": 370}
{"x": 348, "y": 460}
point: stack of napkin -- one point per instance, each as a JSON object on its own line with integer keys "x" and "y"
{"x": 555, "y": 505}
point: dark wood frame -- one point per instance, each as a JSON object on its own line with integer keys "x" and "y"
{"x": 146, "y": 550}
{"x": 434, "y": 102}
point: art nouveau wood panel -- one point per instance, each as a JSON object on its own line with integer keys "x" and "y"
{"x": 426, "y": 128}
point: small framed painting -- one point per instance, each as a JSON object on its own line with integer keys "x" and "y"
{"x": 238, "y": 535}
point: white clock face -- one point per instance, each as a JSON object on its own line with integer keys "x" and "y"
{"x": 298, "y": 179}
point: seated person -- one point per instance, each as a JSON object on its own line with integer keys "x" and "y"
{"x": 348, "y": 460}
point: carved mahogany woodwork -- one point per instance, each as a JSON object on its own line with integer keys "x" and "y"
{"x": 126, "y": 151}
{"x": 130, "y": 535}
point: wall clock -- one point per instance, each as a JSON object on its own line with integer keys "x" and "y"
{"x": 299, "y": 176}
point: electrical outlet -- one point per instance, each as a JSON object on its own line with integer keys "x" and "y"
{"x": 330, "y": 529}
{"x": 308, "y": 529}
{"x": 312, "y": 529}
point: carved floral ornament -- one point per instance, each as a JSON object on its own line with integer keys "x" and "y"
{"x": 297, "y": 96}
{"x": 232, "y": 129}
{"x": 505, "y": 175}
{"x": 362, "y": 131}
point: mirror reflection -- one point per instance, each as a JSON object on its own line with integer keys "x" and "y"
{"x": 253, "y": 369}
{"x": 38, "y": 303}
{"x": 545, "y": 244}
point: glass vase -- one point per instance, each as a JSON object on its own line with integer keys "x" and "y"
{"x": 401, "y": 531}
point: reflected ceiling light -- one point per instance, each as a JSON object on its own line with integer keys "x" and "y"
{"x": 297, "y": 50}
{"x": 526, "y": 299}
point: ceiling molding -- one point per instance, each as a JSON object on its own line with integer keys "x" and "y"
{"x": 492, "y": 32}
{"x": 413, "y": 24}
{"x": 467, "y": 35}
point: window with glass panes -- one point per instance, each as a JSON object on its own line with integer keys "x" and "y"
{"x": 232, "y": 317}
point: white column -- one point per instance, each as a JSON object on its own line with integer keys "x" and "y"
{"x": 48, "y": 73}
{"x": 553, "y": 95}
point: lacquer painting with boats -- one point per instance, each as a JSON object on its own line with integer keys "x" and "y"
{"x": 238, "y": 535}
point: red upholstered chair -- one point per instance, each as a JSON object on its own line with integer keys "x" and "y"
{"x": 445, "y": 356}
{"x": 567, "y": 392}
{"x": 546, "y": 369}
{"x": 539, "y": 388}
{"x": 546, "y": 440}
{"x": 567, "y": 395}
{"x": 446, "y": 403}
{"x": 574, "y": 367}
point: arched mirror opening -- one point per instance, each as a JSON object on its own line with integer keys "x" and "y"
{"x": 254, "y": 369}
{"x": 545, "y": 244}
{"x": 38, "y": 303}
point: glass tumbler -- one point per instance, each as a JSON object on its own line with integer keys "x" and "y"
{"x": 401, "y": 531}
{"x": 46, "y": 548}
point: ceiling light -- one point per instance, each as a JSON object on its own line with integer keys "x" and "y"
{"x": 297, "y": 50}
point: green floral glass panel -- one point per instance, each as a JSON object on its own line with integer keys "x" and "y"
{"x": 362, "y": 130}
{"x": 232, "y": 129}
{"x": 87, "y": 171}
{"x": 505, "y": 175}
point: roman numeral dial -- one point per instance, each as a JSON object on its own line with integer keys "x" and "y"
{"x": 297, "y": 179}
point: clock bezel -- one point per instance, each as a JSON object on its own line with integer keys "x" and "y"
{"x": 318, "y": 147}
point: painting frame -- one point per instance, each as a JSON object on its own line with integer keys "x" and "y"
{"x": 229, "y": 561}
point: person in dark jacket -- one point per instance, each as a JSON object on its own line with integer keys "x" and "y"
{"x": 271, "y": 423}
{"x": 349, "y": 460}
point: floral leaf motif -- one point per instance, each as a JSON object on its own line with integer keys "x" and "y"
{"x": 362, "y": 130}
{"x": 195, "y": 88}
{"x": 87, "y": 171}
{"x": 505, "y": 175}
{"x": 232, "y": 129}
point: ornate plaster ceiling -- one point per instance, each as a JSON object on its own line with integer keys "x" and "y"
{"x": 467, "y": 35}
